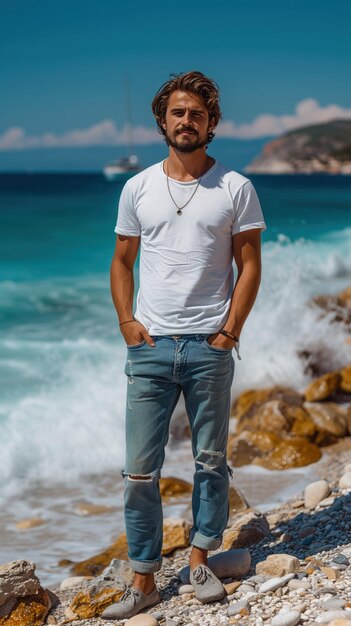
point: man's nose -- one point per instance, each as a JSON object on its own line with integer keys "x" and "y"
{"x": 187, "y": 118}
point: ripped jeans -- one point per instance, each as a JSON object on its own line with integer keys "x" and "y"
{"x": 156, "y": 376}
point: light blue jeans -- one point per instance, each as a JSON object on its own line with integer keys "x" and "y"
{"x": 156, "y": 376}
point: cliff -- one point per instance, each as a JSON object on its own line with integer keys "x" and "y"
{"x": 310, "y": 149}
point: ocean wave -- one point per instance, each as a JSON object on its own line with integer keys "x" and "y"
{"x": 65, "y": 417}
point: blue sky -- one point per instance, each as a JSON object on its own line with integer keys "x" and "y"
{"x": 65, "y": 64}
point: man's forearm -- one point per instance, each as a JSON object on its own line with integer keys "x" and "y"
{"x": 243, "y": 298}
{"x": 122, "y": 290}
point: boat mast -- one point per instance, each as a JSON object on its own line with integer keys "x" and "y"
{"x": 129, "y": 126}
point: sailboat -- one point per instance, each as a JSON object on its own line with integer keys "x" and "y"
{"x": 129, "y": 165}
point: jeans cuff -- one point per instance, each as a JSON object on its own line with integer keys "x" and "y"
{"x": 145, "y": 567}
{"x": 201, "y": 541}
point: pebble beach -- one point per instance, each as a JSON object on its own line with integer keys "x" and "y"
{"x": 314, "y": 539}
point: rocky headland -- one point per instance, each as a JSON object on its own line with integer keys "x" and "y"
{"x": 323, "y": 148}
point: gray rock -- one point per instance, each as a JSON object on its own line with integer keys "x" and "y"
{"x": 185, "y": 589}
{"x": 327, "y": 617}
{"x": 345, "y": 481}
{"x": 118, "y": 574}
{"x": 316, "y": 492}
{"x": 299, "y": 584}
{"x": 73, "y": 581}
{"x": 17, "y": 579}
{"x": 244, "y": 588}
{"x": 333, "y": 603}
{"x": 273, "y": 583}
{"x": 235, "y": 608}
{"x": 286, "y": 618}
{"x": 228, "y": 564}
{"x": 341, "y": 559}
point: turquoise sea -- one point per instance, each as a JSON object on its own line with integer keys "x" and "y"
{"x": 62, "y": 358}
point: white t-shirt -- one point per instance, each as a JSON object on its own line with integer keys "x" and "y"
{"x": 186, "y": 261}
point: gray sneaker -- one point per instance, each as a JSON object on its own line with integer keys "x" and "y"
{"x": 207, "y": 587}
{"x": 132, "y": 602}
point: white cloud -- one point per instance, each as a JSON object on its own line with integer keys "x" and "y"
{"x": 306, "y": 112}
{"x": 106, "y": 133}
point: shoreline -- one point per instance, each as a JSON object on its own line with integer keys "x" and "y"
{"x": 284, "y": 520}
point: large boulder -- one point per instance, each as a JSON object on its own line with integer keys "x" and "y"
{"x": 252, "y": 399}
{"x": 245, "y": 447}
{"x": 23, "y": 601}
{"x": 272, "y": 416}
{"x": 292, "y": 452}
{"x": 228, "y": 564}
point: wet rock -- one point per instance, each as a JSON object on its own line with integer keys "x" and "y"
{"x": 316, "y": 492}
{"x": 228, "y": 564}
{"x": 88, "y": 508}
{"x": 322, "y": 387}
{"x": 171, "y": 487}
{"x": 248, "y": 445}
{"x": 251, "y": 399}
{"x": 32, "y": 522}
{"x": 329, "y": 418}
{"x": 292, "y": 452}
{"x": 248, "y": 528}
{"x": 272, "y": 416}
{"x": 278, "y": 565}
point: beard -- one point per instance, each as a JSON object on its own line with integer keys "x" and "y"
{"x": 186, "y": 144}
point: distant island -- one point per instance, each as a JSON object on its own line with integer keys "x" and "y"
{"x": 307, "y": 150}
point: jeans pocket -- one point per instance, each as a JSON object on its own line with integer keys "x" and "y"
{"x": 215, "y": 349}
{"x": 136, "y": 345}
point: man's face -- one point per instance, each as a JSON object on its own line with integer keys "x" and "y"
{"x": 187, "y": 121}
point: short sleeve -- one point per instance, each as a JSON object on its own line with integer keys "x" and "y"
{"x": 127, "y": 221}
{"x": 247, "y": 210}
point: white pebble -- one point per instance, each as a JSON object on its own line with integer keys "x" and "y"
{"x": 286, "y": 618}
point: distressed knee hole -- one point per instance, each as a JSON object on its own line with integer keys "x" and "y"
{"x": 141, "y": 477}
{"x": 210, "y": 459}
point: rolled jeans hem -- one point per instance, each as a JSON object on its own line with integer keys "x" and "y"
{"x": 206, "y": 543}
{"x": 145, "y": 567}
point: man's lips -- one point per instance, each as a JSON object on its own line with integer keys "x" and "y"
{"x": 186, "y": 132}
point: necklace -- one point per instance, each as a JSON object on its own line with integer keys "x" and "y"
{"x": 180, "y": 208}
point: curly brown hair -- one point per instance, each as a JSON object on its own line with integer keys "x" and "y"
{"x": 194, "y": 82}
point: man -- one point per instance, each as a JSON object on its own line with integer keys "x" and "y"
{"x": 190, "y": 216}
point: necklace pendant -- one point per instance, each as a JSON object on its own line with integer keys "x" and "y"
{"x": 179, "y": 212}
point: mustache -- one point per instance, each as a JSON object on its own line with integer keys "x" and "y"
{"x": 189, "y": 130}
